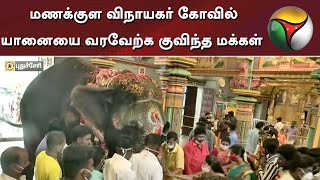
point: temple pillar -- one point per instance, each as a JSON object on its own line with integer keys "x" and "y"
{"x": 301, "y": 106}
{"x": 305, "y": 131}
{"x": 271, "y": 108}
{"x": 316, "y": 139}
{"x": 164, "y": 78}
{"x": 174, "y": 78}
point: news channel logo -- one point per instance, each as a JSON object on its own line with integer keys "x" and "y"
{"x": 23, "y": 65}
{"x": 290, "y": 28}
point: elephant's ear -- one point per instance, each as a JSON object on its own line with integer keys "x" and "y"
{"x": 98, "y": 105}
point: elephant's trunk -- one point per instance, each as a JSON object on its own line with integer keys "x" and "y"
{"x": 11, "y": 123}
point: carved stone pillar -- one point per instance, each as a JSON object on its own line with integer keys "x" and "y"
{"x": 271, "y": 107}
{"x": 174, "y": 78}
{"x": 301, "y": 105}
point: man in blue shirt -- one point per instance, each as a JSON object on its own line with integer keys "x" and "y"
{"x": 233, "y": 134}
{"x": 253, "y": 138}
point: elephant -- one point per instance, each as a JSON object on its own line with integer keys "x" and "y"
{"x": 112, "y": 101}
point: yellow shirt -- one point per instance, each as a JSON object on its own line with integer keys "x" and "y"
{"x": 47, "y": 168}
{"x": 173, "y": 160}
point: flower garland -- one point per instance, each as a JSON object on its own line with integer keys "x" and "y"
{"x": 141, "y": 85}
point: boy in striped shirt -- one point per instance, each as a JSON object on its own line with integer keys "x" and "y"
{"x": 271, "y": 168}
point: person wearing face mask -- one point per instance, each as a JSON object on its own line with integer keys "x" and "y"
{"x": 13, "y": 161}
{"x": 299, "y": 168}
{"x": 146, "y": 164}
{"x": 271, "y": 168}
{"x": 195, "y": 152}
{"x": 119, "y": 167}
{"x": 77, "y": 160}
{"x": 211, "y": 169}
{"x": 222, "y": 153}
{"x": 173, "y": 157}
{"x": 209, "y": 140}
{"x": 47, "y": 166}
{"x": 315, "y": 153}
{"x": 242, "y": 170}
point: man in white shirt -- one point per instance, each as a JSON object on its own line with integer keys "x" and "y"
{"x": 279, "y": 125}
{"x": 119, "y": 167}
{"x": 146, "y": 163}
{"x": 13, "y": 161}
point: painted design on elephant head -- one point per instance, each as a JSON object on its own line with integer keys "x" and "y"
{"x": 155, "y": 119}
{"x": 101, "y": 106}
{"x": 146, "y": 110}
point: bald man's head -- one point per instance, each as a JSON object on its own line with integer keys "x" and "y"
{"x": 14, "y": 159}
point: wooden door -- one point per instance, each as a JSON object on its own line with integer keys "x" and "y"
{"x": 189, "y": 109}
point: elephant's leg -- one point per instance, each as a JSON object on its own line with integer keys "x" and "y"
{"x": 32, "y": 137}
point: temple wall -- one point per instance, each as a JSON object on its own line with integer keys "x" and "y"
{"x": 287, "y": 113}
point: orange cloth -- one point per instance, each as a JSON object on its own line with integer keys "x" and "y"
{"x": 282, "y": 138}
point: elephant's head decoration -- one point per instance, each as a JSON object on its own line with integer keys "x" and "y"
{"x": 115, "y": 99}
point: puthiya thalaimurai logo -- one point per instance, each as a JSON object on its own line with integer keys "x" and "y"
{"x": 23, "y": 65}
{"x": 290, "y": 28}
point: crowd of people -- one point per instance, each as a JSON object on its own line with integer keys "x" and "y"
{"x": 212, "y": 152}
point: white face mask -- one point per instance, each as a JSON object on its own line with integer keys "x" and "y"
{"x": 307, "y": 176}
{"x": 124, "y": 151}
{"x": 148, "y": 149}
{"x": 223, "y": 147}
{"x": 170, "y": 146}
{"x": 205, "y": 168}
{"x": 20, "y": 168}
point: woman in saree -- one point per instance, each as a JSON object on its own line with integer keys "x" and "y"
{"x": 211, "y": 169}
{"x": 242, "y": 170}
{"x": 221, "y": 152}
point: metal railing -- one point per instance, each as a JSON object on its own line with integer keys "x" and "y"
{"x": 8, "y": 139}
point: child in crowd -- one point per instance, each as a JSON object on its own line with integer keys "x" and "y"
{"x": 98, "y": 162}
{"x": 282, "y": 137}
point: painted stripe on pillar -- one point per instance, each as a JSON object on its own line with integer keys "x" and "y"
{"x": 243, "y": 130}
{"x": 317, "y": 134}
{"x": 169, "y": 114}
{"x": 310, "y": 137}
{"x": 177, "y": 120}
